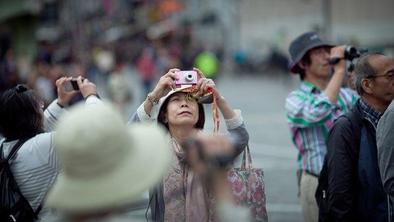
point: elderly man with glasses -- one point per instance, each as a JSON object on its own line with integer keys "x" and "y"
{"x": 355, "y": 191}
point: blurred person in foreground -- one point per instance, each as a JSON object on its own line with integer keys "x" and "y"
{"x": 355, "y": 191}
{"x": 385, "y": 144}
{"x": 106, "y": 166}
{"x": 183, "y": 195}
{"x": 312, "y": 109}
{"x": 35, "y": 165}
{"x": 212, "y": 165}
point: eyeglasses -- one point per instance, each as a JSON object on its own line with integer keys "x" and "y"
{"x": 389, "y": 76}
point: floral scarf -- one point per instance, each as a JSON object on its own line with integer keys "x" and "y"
{"x": 185, "y": 196}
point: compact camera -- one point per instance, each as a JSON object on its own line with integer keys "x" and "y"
{"x": 72, "y": 85}
{"x": 186, "y": 78}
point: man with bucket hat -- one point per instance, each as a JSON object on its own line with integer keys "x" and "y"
{"x": 106, "y": 164}
{"x": 312, "y": 109}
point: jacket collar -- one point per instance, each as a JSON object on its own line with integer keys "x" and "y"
{"x": 369, "y": 113}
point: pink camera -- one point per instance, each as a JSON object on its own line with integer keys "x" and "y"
{"x": 186, "y": 78}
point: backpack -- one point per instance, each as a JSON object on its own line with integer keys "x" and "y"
{"x": 321, "y": 194}
{"x": 13, "y": 205}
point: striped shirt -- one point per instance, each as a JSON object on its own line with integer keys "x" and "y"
{"x": 35, "y": 165}
{"x": 310, "y": 115}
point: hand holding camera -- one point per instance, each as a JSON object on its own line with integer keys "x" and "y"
{"x": 86, "y": 87}
{"x": 165, "y": 84}
{"x": 64, "y": 95}
{"x": 349, "y": 54}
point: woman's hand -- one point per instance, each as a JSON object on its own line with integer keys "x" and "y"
{"x": 64, "y": 97}
{"x": 205, "y": 85}
{"x": 165, "y": 84}
{"x": 86, "y": 87}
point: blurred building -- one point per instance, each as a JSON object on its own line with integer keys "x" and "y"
{"x": 71, "y": 28}
{"x": 272, "y": 22}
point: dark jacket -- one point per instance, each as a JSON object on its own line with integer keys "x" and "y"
{"x": 355, "y": 191}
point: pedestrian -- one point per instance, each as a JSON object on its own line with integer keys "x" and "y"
{"x": 312, "y": 109}
{"x": 182, "y": 195}
{"x": 355, "y": 191}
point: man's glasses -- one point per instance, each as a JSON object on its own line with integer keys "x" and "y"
{"x": 389, "y": 76}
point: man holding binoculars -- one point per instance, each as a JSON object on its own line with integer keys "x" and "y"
{"x": 312, "y": 109}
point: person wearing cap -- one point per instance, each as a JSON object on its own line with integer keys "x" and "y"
{"x": 182, "y": 195}
{"x": 106, "y": 165}
{"x": 312, "y": 109}
{"x": 22, "y": 118}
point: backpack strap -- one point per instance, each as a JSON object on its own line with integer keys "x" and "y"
{"x": 10, "y": 156}
{"x": 15, "y": 148}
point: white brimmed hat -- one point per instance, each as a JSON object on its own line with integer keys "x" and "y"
{"x": 105, "y": 164}
{"x": 183, "y": 88}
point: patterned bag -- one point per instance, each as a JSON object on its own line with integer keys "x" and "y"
{"x": 247, "y": 184}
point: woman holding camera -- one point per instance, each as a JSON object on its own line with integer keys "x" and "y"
{"x": 24, "y": 124}
{"x": 183, "y": 195}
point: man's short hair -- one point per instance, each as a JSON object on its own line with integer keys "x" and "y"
{"x": 362, "y": 70}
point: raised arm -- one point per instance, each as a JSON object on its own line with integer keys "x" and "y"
{"x": 233, "y": 117}
{"x": 145, "y": 110}
{"x": 56, "y": 108}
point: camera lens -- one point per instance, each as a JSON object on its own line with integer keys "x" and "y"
{"x": 189, "y": 77}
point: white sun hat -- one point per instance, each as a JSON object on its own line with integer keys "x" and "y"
{"x": 156, "y": 109}
{"x": 105, "y": 164}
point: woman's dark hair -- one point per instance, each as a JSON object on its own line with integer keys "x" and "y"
{"x": 163, "y": 109}
{"x": 20, "y": 113}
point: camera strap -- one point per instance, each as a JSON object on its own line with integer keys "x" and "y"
{"x": 215, "y": 115}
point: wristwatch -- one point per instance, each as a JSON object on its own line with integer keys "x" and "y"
{"x": 152, "y": 99}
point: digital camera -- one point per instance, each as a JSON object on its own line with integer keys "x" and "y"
{"x": 72, "y": 85}
{"x": 186, "y": 78}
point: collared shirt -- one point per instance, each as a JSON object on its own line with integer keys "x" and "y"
{"x": 310, "y": 115}
{"x": 370, "y": 113}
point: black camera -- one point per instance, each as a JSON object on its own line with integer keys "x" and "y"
{"x": 74, "y": 84}
{"x": 351, "y": 53}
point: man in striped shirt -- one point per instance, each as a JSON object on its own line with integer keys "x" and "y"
{"x": 312, "y": 109}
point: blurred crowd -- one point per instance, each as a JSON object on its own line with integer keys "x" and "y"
{"x": 124, "y": 70}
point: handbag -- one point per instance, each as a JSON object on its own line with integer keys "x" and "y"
{"x": 247, "y": 184}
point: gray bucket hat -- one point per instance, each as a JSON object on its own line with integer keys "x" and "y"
{"x": 301, "y": 45}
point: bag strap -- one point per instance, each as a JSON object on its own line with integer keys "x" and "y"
{"x": 15, "y": 148}
{"x": 246, "y": 159}
{"x": 10, "y": 156}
